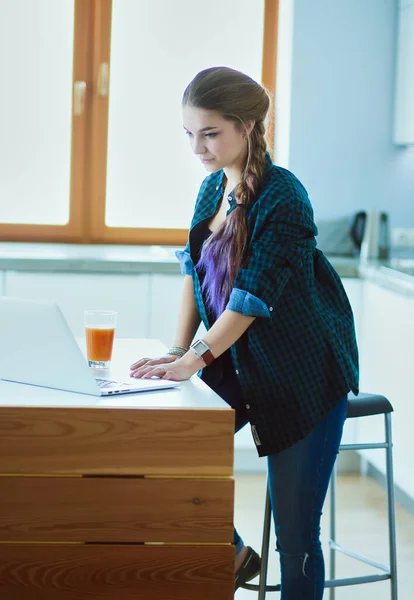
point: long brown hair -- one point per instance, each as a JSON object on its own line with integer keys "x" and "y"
{"x": 237, "y": 97}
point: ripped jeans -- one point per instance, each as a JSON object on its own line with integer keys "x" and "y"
{"x": 298, "y": 482}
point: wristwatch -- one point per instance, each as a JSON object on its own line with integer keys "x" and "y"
{"x": 203, "y": 351}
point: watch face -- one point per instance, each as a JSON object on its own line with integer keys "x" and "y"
{"x": 199, "y": 348}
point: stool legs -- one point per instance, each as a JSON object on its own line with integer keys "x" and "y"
{"x": 391, "y": 507}
{"x": 332, "y": 583}
{"x": 389, "y": 475}
{"x": 332, "y": 531}
{"x": 265, "y": 546}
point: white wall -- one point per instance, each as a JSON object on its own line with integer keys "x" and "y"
{"x": 335, "y": 115}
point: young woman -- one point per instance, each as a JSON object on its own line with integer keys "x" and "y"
{"x": 280, "y": 346}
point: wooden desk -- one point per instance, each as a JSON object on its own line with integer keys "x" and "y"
{"x": 123, "y": 497}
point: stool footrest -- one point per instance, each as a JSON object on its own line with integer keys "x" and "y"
{"x": 370, "y": 446}
{"x": 254, "y": 587}
{"x": 328, "y": 583}
{"x": 356, "y": 580}
{"x": 335, "y": 546}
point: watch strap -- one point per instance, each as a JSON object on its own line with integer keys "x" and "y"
{"x": 206, "y": 355}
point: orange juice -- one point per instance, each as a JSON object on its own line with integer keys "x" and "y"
{"x": 99, "y": 342}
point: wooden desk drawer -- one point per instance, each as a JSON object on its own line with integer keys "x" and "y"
{"x": 116, "y": 441}
{"x": 76, "y": 572}
{"x": 116, "y": 509}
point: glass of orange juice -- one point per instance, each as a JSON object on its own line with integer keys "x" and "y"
{"x": 100, "y": 330}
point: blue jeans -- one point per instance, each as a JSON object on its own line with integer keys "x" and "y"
{"x": 298, "y": 483}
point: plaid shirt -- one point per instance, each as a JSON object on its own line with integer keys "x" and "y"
{"x": 299, "y": 357}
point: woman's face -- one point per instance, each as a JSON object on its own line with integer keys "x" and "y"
{"x": 217, "y": 142}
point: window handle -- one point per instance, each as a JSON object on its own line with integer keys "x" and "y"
{"x": 103, "y": 79}
{"x": 79, "y": 93}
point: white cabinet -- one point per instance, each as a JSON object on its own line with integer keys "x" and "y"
{"x": 75, "y": 292}
{"x": 354, "y": 290}
{"x": 386, "y": 356}
{"x": 404, "y": 100}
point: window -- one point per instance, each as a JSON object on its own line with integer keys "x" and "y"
{"x": 92, "y": 147}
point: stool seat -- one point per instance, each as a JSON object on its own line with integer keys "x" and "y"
{"x": 365, "y": 405}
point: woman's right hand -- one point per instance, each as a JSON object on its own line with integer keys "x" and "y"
{"x": 144, "y": 364}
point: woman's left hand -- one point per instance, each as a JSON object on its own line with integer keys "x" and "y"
{"x": 179, "y": 370}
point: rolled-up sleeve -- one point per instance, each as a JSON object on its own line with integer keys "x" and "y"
{"x": 286, "y": 239}
{"x": 186, "y": 263}
{"x": 247, "y": 304}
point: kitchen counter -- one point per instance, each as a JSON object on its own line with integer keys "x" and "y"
{"x": 136, "y": 495}
{"x": 111, "y": 258}
{"x": 88, "y": 258}
{"x": 396, "y": 273}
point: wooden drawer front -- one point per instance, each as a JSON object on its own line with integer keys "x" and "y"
{"x": 76, "y": 572}
{"x": 113, "y": 509}
{"x": 116, "y": 441}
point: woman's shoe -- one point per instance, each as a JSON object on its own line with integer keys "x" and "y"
{"x": 249, "y": 569}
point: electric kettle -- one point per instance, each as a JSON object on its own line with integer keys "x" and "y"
{"x": 376, "y": 236}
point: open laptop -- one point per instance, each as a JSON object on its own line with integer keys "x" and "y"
{"x": 38, "y": 348}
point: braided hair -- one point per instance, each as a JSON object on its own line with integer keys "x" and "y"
{"x": 237, "y": 98}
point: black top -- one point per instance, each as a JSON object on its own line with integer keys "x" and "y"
{"x": 201, "y": 233}
{"x": 220, "y": 376}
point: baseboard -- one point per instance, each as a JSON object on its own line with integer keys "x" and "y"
{"x": 401, "y": 497}
{"x": 247, "y": 461}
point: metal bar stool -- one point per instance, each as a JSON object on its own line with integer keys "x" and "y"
{"x": 363, "y": 405}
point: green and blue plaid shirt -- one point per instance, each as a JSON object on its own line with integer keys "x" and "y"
{"x": 299, "y": 357}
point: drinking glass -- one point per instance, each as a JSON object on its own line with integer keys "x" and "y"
{"x": 100, "y": 330}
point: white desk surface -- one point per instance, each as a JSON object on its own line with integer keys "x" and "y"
{"x": 190, "y": 394}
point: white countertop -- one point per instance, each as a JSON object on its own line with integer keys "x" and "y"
{"x": 192, "y": 394}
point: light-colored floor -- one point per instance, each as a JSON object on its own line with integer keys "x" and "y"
{"x": 361, "y": 527}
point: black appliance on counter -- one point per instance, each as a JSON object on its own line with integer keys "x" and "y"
{"x": 365, "y": 234}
